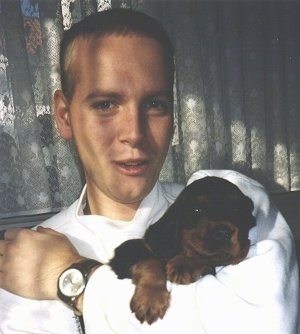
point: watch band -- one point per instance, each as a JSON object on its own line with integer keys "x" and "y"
{"x": 84, "y": 267}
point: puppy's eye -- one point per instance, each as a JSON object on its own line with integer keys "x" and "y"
{"x": 198, "y": 211}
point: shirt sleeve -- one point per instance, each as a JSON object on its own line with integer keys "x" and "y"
{"x": 27, "y": 316}
{"x": 258, "y": 295}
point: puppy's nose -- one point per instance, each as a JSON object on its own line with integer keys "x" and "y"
{"x": 221, "y": 233}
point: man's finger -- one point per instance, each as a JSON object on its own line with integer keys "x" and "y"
{"x": 11, "y": 234}
{"x": 2, "y": 247}
{"x": 47, "y": 230}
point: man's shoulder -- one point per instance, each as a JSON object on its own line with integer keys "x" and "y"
{"x": 171, "y": 190}
{"x": 61, "y": 220}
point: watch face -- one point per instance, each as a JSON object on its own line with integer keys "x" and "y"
{"x": 71, "y": 283}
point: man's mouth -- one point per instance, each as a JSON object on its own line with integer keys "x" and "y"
{"x": 133, "y": 167}
{"x": 133, "y": 163}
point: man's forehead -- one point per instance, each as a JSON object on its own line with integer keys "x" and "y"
{"x": 113, "y": 49}
{"x": 112, "y": 34}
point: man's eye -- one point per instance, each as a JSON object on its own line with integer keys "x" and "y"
{"x": 103, "y": 105}
{"x": 158, "y": 107}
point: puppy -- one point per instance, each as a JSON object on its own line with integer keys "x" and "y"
{"x": 207, "y": 226}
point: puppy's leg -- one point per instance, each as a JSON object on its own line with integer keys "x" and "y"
{"x": 184, "y": 270}
{"x": 127, "y": 254}
{"x": 151, "y": 298}
{"x": 133, "y": 259}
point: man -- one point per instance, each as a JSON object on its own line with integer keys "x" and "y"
{"x": 116, "y": 104}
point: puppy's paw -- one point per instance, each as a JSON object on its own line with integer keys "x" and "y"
{"x": 186, "y": 272}
{"x": 150, "y": 303}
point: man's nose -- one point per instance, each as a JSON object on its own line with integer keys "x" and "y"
{"x": 133, "y": 127}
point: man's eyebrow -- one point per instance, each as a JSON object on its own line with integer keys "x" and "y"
{"x": 117, "y": 96}
{"x": 159, "y": 93}
{"x": 103, "y": 94}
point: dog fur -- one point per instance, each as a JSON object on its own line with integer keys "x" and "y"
{"x": 207, "y": 226}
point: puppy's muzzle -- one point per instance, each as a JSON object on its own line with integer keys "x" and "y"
{"x": 221, "y": 235}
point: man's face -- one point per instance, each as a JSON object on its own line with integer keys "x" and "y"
{"x": 120, "y": 116}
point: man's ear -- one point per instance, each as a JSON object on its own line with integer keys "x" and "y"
{"x": 62, "y": 115}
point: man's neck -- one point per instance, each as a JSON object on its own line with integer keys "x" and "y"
{"x": 109, "y": 208}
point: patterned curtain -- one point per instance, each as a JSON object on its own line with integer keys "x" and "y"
{"x": 237, "y": 90}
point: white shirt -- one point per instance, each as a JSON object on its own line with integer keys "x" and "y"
{"x": 259, "y": 295}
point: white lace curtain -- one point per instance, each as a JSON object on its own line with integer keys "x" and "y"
{"x": 237, "y": 94}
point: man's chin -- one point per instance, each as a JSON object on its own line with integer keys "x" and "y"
{"x": 135, "y": 194}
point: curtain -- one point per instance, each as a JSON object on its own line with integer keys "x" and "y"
{"x": 237, "y": 94}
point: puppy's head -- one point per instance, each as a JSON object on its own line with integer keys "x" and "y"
{"x": 215, "y": 221}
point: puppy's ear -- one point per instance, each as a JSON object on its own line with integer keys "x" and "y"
{"x": 163, "y": 237}
{"x": 249, "y": 206}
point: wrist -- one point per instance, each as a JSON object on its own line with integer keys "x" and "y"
{"x": 79, "y": 302}
{"x": 72, "y": 283}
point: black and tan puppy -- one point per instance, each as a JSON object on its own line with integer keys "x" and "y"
{"x": 207, "y": 226}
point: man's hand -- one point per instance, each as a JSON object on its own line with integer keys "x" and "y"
{"x": 31, "y": 261}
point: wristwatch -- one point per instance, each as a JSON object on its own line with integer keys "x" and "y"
{"x": 72, "y": 282}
